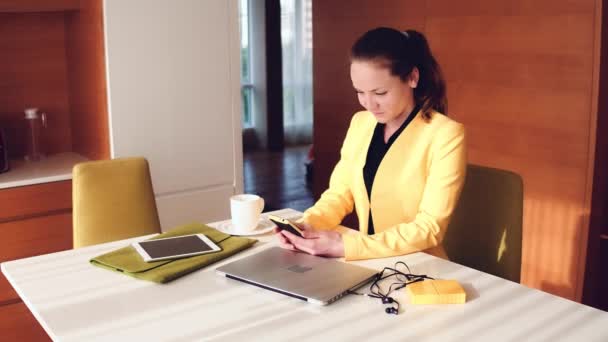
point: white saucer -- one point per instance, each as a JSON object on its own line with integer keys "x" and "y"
{"x": 263, "y": 227}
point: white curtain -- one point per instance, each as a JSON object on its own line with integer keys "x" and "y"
{"x": 296, "y": 36}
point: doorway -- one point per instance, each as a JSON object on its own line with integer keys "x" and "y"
{"x": 276, "y": 74}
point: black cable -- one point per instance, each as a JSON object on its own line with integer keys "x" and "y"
{"x": 403, "y": 279}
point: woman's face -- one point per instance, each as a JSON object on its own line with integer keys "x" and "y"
{"x": 388, "y": 97}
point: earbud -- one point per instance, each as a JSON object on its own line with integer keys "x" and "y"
{"x": 391, "y": 310}
{"x": 387, "y": 300}
{"x": 403, "y": 278}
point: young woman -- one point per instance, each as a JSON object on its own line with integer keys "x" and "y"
{"x": 402, "y": 163}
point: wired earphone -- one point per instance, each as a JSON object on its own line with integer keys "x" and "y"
{"x": 402, "y": 280}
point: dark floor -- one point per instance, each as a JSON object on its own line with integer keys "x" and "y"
{"x": 278, "y": 177}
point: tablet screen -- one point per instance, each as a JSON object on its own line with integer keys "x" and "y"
{"x": 175, "y": 246}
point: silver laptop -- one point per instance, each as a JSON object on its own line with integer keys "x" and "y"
{"x": 310, "y": 278}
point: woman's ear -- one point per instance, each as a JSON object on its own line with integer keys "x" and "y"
{"x": 413, "y": 78}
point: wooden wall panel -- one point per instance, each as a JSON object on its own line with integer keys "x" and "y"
{"x": 520, "y": 79}
{"x": 33, "y": 73}
{"x": 87, "y": 81}
{"x": 507, "y": 8}
{"x": 35, "y": 200}
{"x": 18, "y": 324}
{"x": 7, "y": 293}
{"x": 520, "y": 76}
{"x": 38, "y": 5}
{"x": 36, "y": 236}
{"x": 596, "y": 277}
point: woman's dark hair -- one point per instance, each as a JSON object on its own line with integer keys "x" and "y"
{"x": 401, "y": 52}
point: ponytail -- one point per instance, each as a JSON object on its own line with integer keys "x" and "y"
{"x": 431, "y": 91}
{"x": 401, "y": 52}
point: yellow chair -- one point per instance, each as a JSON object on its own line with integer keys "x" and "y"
{"x": 485, "y": 232}
{"x": 112, "y": 200}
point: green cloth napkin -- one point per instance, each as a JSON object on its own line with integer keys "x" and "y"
{"x": 129, "y": 262}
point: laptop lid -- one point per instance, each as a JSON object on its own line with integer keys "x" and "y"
{"x": 303, "y": 276}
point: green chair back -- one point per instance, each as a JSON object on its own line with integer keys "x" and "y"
{"x": 112, "y": 200}
{"x": 485, "y": 232}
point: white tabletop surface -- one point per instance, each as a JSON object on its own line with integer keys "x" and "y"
{"x": 75, "y": 301}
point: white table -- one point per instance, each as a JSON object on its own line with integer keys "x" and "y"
{"x": 75, "y": 301}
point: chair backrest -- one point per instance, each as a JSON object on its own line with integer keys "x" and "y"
{"x": 485, "y": 231}
{"x": 112, "y": 200}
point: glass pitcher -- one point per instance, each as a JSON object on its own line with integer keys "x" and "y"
{"x": 36, "y": 122}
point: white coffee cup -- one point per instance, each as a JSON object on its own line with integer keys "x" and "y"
{"x": 245, "y": 211}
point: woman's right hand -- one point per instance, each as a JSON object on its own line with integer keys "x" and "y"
{"x": 284, "y": 242}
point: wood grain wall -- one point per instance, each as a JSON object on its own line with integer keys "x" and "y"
{"x": 596, "y": 279}
{"x": 87, "y": 81}
{"x": 52, "y": 57}
{"x": 22, "y": 6}
{"x": 33, "y": 73}
{"x": 520, "y": 76}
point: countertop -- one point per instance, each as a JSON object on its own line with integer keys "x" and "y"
{"x": 52, "y": 168}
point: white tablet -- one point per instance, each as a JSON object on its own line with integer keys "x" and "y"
{"x": 175, "y": 247}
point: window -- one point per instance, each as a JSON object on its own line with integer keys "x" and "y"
{"x": 246, "y": 81}
{"x": 296, "y": 41}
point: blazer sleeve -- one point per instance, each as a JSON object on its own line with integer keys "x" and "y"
{"x": 444, "y": 183}
{"x": 337, "y": 201}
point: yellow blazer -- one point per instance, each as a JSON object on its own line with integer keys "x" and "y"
{"x": 415, "y": 188}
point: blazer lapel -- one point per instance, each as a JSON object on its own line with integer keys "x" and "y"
{"x": 359, "y": 190}
{"x": 391, "y": 168}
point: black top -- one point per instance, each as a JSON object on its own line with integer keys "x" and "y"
{"x": 375, "y": 154}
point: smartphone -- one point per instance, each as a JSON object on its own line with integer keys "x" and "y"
{"x": 285, "y": 224}
{"x": 175, "y": 247}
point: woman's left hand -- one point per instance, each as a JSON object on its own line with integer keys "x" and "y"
{"x": 317, "y": 242}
